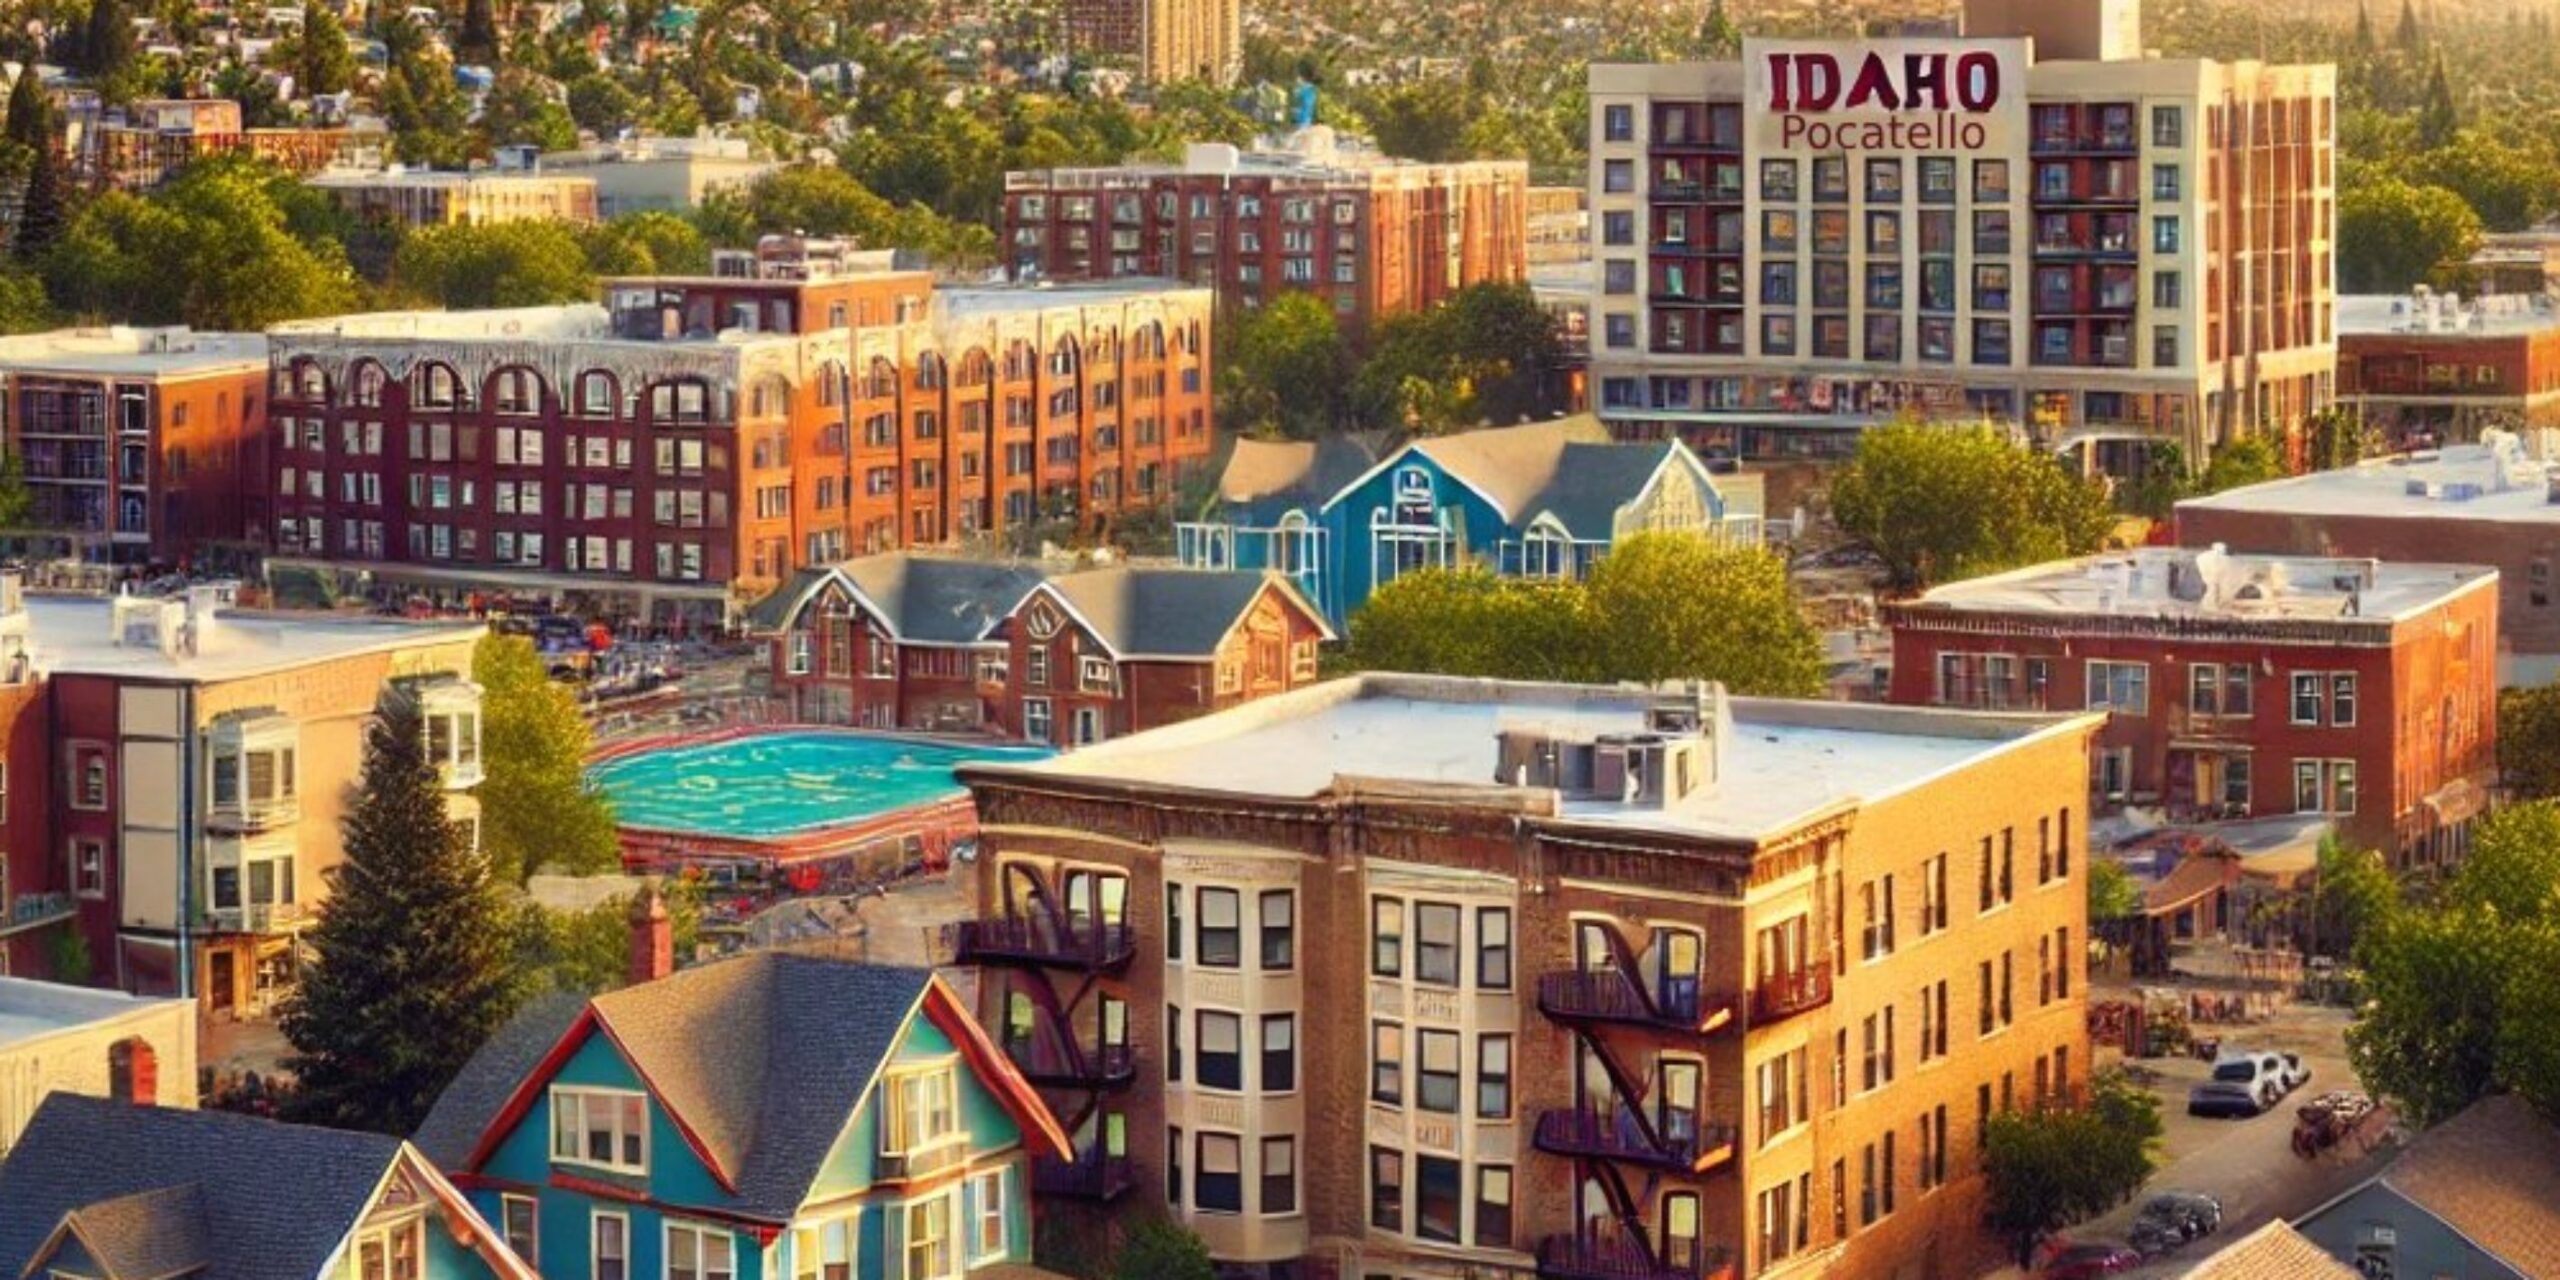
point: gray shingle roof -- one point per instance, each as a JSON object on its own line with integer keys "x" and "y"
{"x": 148, "y": 1235}
{"x": 271, "y": 1199}
{"x": 1592, "y": 481}
{"x": 465, "y": 1108}
{"x": 1512, "y": 465}
{"x": 763, "y": 1057}
{"x": 775, "y": 610}
{"x": 1267, "y": 478}
{"x": 1160, "y": 611}
{"x": 941, "y": 600}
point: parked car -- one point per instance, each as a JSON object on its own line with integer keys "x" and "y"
{"x": 2090, "y": 1260}
{"x": 2243, "y": 1084}
{"x": 2183, "y": 1215}
{"x": 2297, "y": 1073}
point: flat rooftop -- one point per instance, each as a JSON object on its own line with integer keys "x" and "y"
{"x": 2496, "y": 482}
{"x": 2172, "y": 582}
{"x": 1787, "y": 762}
{"x": 124, "y": 351}
{"x": 2446, "y": 316}
{"x": 959, "y": 302}
{"x": 31, "y": 1010}
{"x": 73, "y": 635}
{"x": 441, "y": 178}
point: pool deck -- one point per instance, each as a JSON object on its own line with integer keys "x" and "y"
{"x": 935, "y": 825}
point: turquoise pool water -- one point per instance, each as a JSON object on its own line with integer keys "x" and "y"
{"x": 770, "y": 785}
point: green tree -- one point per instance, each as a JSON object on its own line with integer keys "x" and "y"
{"x": 1718, "y": 37}
{"x": 2246, "y": 461}
{"x": 1422, "y": 119}
{"x": 2393, "y": 235}
{"x": 409, "y": 968}
{"x": 1285, "y": 368}
{"x": 428, "y": 117}
{"x": 107, "y": 46}
{"x": 43, "y": 206}
{"x": 590, "y": 951}
{"x": 538, "y": 810}
{"x": 228, "y": 243}
{"x": 1467, "y": 622}
{"x": 322, "y": 62}
{"x": 647, "y": 242}
{"x": 2529, "y": 741}
{"x": 2364, "y": 30}
{"x": 2511, "y": 187}
{"x": 2112, "y": 893}
{"x": 2335, "y": 437}
{"x": 30, "y": 114}
{"x": 2054, "y": 1165}
{"x": 1940, "y": 502}
{"x": 500, "y": 264}
{"x": 478, "y": 42}
{"x": 23, "y": 305}
{"x": 600, "y": 102}
{"x": 2406, "y": 37}
{"x": 2438, "y": 117}
{"x": 1155, "y": 1249}
{"x": 1678, "y": 606}
{"x": 2353, "y": 893}
{"x": 1483, "y": 355}
{"x": 519, "y": 110}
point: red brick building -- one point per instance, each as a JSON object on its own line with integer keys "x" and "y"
{"x": 1412, "y": 976}
{"x": 2239, "y": 686}
{"x": 2431, "y": 369}
{"x": 1375, "y": 236}
{"x": 141, "y": 446}
{"x": 137, "y": 146}
{"x": 682, "y": 449}
{"x": 1067, "y": 659}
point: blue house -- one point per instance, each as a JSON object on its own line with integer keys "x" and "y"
{"x": 774, "y": 1115}
{"x": 97, "y": 1189}
{"x": 1545, "y": 500}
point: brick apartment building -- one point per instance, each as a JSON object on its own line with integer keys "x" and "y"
{"x": 1072, "y": 658}
{"x": 2431, "y": 368}
{"x": 682, "y": 449}
{"x": 2480, "y": 504}
{"x": 1161, "y": 41}
{"x": 139, "y": 145}
{"x": 175, "y": 774}
{"x": 2239, "y": 686}
{"x": 425, "y": 198}
{"x": 140, "y": 446}
{"x": 1418, "y": 977}
{"x": 2051, "y": 229}
{"x": 1375, "y": 236}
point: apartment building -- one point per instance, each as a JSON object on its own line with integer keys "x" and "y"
{"x": 139, "y": 145}
{"x": 669, "y": 174}
{"x": 2429, "y": 368}
{"x": 1412, "y": 976}
{"x": 428, "y": 198}
{"x": 1373, "y": 235}
{"x": 2490, "y": 503}
{"x": 2031, "y": 223}
{"x": 1064, "y": 658}
{"x": 140, "y": 446}
{"x": 1161, "y": 41}
{"x": 2240, "y": 686}
{"x": 681, "y": 449}
{"x": 176, "y": 770}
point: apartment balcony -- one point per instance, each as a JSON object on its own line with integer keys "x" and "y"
{"x": 1092, "y": 1176}
{"x": 1584, "y": 1134}
{"x": 1088, "y": 948}
{"x": 1045, "y": 1062}
{"x": 253, "y": 815}
{"x": 1608, "y": 996}
{"x": 1678, "y": 192}
{"x": 1575, "y": 1257}
{"x": 260, "y": 918}
{"x": 1788, "y": 994}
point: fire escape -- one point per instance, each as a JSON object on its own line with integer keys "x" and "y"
{"x": 1053, "y": 958}
{"x": 1637, "y": 1128}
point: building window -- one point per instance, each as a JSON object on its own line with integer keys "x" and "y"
{"x": 1279, "y": 1053}
{"x": 520, "y": 1220}
{"x": 1386, "y": 938}
{"x": 2342, "y": 699}
{"x": 987, "y": 1216}
{"x": 1386, "y": 1063}
{"x": 2324, "y": 786}
{"x": 2164, "y": 183}
{"x": 1617, "y": 177}
{"x": 89, "y": 777}
{"x": 1439, "y": 1192}
{"x": 89, "y": 868}
{"x": 1493, "y": 948}
{"x": 1221, "y": 1063}
{"x": 2168, "y": 127}
{"x": 2168, "y": 290}
{"x": 2164, "y": 346}
{"x": 1221, "y": 928}
{"x": 600, "y": 1128}
{"x": 1386, "y": 1189}
{"x": 1876, "y": 896}
{"x": 1618, "y": 227}
{"x": 1220, "y": 1185}
{"x": 1618, "y": 276}
{"x": 1173, "y": 923}
{"x": 1493, "y": 1077}
{"x": 2120, "y": 686}
{"x": 923, "y": 1113}
{"x": 1437, "y": 1077}
{"x": 1279, "y": 1191}
{"x": 1618, "y": 123}
{"x": 1172, "y": 1036}
{"x": 1493, "y": 1206}
{"x": 612, "y": 1252}
{"x": 1933, "y": 895}
{"x": 1279, "y": 933}
{"x": 1173, "y": 1165}
{"x": 705, "y": 1253}
{"x": 928, "y": 1240}
{"x": 2164, "y": 235}
{"x": 1435, "y": 956}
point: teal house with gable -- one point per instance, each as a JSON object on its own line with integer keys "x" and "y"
{"x": 1542, "y": 500}
{"x": 773, "y": 1115}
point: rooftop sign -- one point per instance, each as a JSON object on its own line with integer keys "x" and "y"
{"x": 1940, "y": 95}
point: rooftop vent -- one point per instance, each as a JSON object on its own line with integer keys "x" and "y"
{"x": 1679, "y": 754}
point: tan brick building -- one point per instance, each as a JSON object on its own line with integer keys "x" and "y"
{"x": 1162, "y": 40}
{"x": 1411, "y": 977}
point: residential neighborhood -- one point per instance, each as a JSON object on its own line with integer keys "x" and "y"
{"x": 1274, "y": 640}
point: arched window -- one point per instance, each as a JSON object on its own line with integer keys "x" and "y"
{"x": 596, "y": 394}
{"x": 1548, "y": 550}
{"x": 882, "y": 381}
{"x": 830, "y": 384}
{"x": 681, "y": 402}
{"x": 310, "y": 383}
{"x": 1019, "y": 360}
{"x": 133, "y": 1071}
{"x": 929, "y": 371}
{"x": 976, "y": 370}
{"x": 435, "y": 386}
{"x": 770, "y": 397}
{"x": 516, "y": 391}
{"x": 1064, "y": 357}
{"x": 1148, "y": 342}
{"x": 365, "y": 384}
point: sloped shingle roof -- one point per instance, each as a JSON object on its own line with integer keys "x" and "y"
{"x": 272, "y": 1199}
{"x": 1512, "y": 465}
{"x": 2272, "y": 1252}
{"x": 2493, "y": 1174}
{"x": 1592, "y": 481}
{"x": 940, "y": 600}
{"x": 465, "y": 1108}
{"x": 1159, "y": 611}
{"x": 1269, "y": 477}
{"x": 148, "y": 1235}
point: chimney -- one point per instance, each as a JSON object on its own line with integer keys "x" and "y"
{"x": 653, "y": 939}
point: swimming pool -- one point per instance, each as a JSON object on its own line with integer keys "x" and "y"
{"x": 764, "y": 786}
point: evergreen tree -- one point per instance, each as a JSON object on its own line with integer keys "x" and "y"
{"x": 40, "y": 212}
{"x": 322, "y": 61}
{"x": 479, "y": 42}
{"x": 1719, "y": 38}
{"x": 2364, "y": 28}
{"x": 107, "y": 47}
{"x": 410, "y": 960}
{"x": 30, "y": 113}
{"x": 2438, "y": 117}
{"x": 2407, "y": 37}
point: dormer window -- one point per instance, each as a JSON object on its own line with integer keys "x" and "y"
{"x": 600, "y": 1129}
{"x": 920, "y": 1124}
{"x": 450, "y": 710}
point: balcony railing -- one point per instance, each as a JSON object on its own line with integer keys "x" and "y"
{"x": 1092, "y": 947}
{"x": 1574, "y": 1257}
{"x": 1044, "y": 1062}
{"x": 1610, "y": 996}
{"x": 253, "y": 815}
{"x": 258, "y": 917}
{"x": 1092, "y": 1176}
{"x": 1788, "y": 994}
{"x": 1586, "y": 1134}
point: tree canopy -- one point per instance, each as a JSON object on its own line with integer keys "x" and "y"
{"x": 1939, "y": 502}
{"x": 498, "y": 264}
{"x": 1285, "y": 369}
{"x": 226, "y": 244}
{"x": 2529, "y": 741}
{"x": 2056, "y": 1164}
{"x": 1658, "y": 607}
{"x": 1482, "y": 356}
{"x": 538, "y": 810}
{"x": 2393, "y": 235}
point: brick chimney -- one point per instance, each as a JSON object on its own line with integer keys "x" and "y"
{"x": 653, "y": 940}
